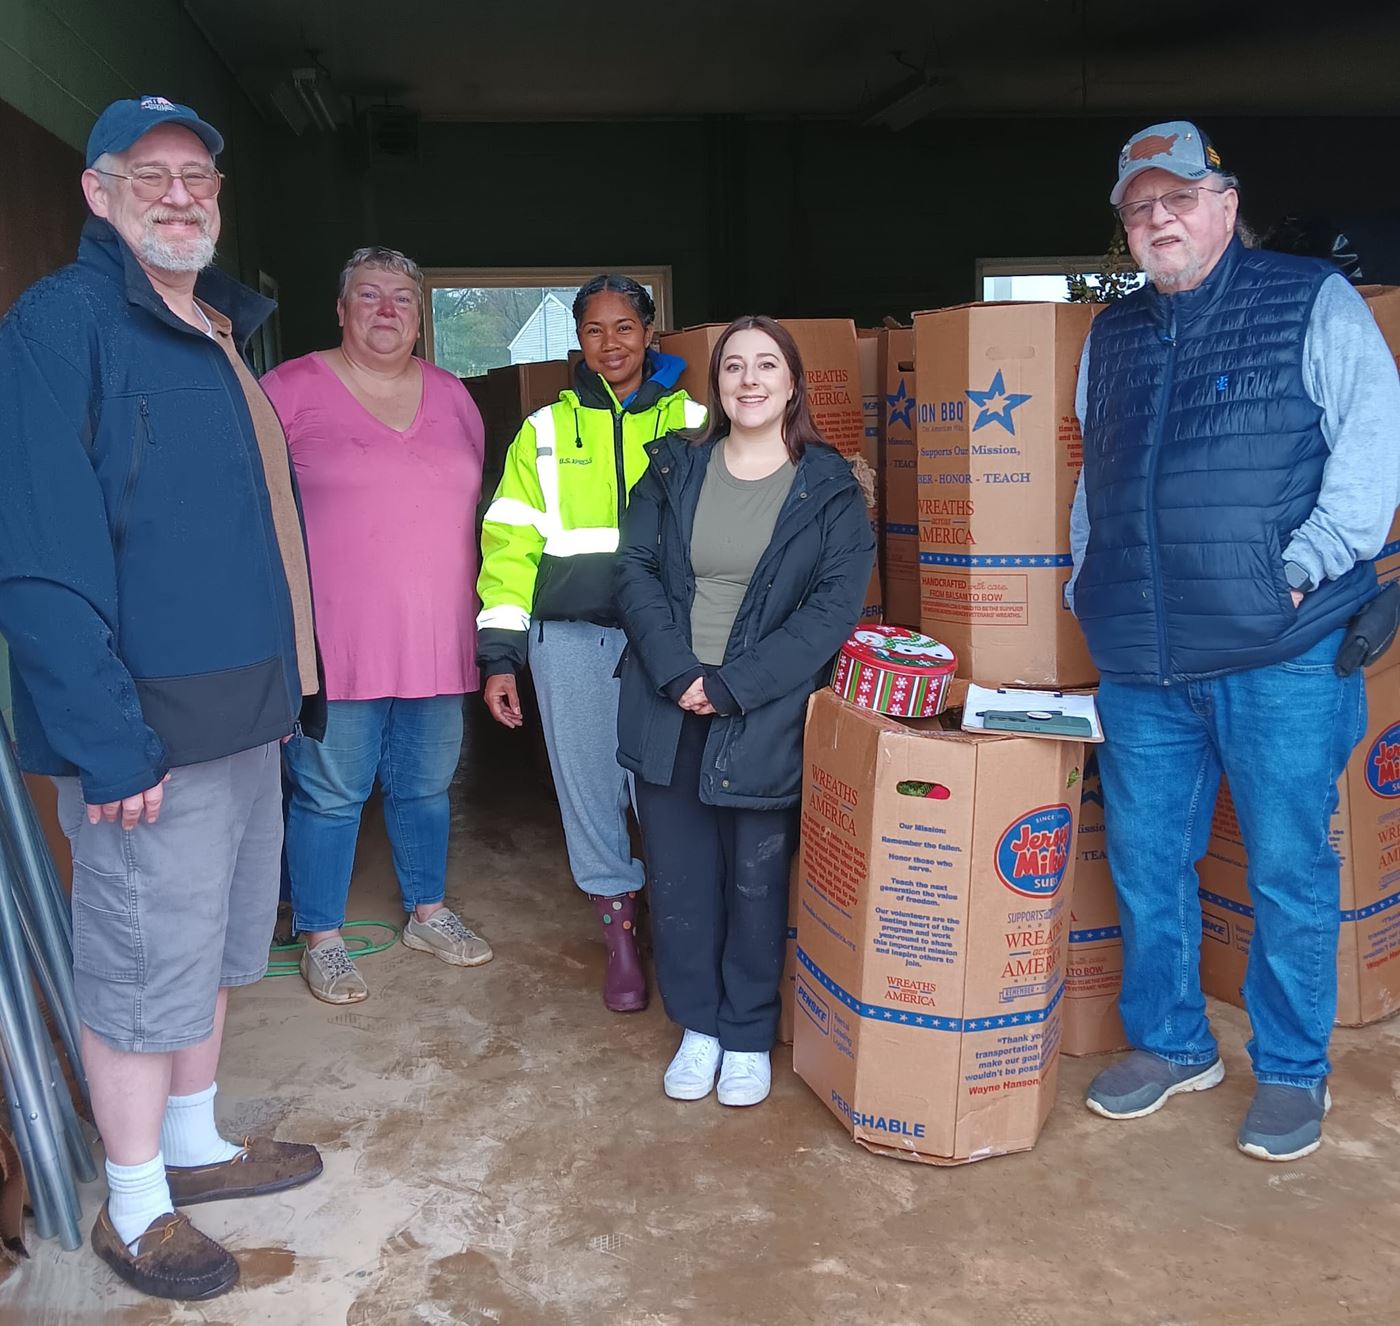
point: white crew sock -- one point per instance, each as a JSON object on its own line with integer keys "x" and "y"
{"x": 136, "y": 1195}
{"x": 188, "y": 1134}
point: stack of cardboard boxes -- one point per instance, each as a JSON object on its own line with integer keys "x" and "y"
{"x": 933, "y": 914}
{"x": 999, "y": 456}
{"x": 999, "y": 452}
{"x": 899, "y": 477}
{"x": 1094, "y": 968}
{"x": 868, "y": 352}
{"x": 935, "y": 903}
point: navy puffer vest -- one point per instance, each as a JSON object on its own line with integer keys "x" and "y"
{"x": 1202, "y": 455}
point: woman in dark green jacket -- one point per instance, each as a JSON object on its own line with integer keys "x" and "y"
{"x": 744, "y": 563}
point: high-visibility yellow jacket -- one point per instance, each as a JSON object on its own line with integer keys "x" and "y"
{"x": 550, "y": 536}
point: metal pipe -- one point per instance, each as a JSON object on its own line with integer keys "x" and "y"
{"x": 38, "y": 1161}
{"x": 23, "y": 1038}
{"x": 79, "y": 1148}
{"x": 31, "y": 847}
{"x": 43, "y": 906}
{"x": 44, "y": 1224}
{"x": 36, "y": 947}
{"x": 60, "y": 1004}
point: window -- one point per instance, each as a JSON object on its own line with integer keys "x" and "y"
{"x": 480, "y": 318}
{"x": 1040, "y": 279}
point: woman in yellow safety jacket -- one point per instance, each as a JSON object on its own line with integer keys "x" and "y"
{"x": 549, "y": 545}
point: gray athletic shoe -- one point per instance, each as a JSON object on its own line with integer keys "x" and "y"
{"x": 1284, "y": 1123}
{"x": 1141, "y": 1083}
{"x": 444, "y": 936}
{"x": 330, "y": 974}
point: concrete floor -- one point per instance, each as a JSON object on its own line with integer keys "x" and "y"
{"x": 498, "y": 1150}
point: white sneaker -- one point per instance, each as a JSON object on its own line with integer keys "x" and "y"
{"x": 691, "y": 1075}
{"x": 745, "y": 1078}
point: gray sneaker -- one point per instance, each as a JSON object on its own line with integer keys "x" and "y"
{"x": 1141, "y": 1083}
{"x": 331, "y": 975}
{"x": 1284, "y": 1123}
{"x": 444, "y": 936}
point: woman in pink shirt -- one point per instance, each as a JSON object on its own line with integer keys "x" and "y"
{"x": 387, "y": 451}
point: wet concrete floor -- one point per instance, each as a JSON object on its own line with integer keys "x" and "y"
{"x": 498, "y": 1150}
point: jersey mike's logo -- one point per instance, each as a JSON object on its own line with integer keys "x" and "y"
{"x": 1033, "y": 853}
{"x": 1383, "y": 763}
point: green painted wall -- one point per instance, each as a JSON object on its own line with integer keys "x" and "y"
{"x": 62, "y": 61}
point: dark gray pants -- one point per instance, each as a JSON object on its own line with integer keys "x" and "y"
{"x": 719, "y": 901}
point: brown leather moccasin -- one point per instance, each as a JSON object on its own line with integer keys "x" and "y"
{"x": 262, "y": 1166}
{"x": 172, "y": 1258}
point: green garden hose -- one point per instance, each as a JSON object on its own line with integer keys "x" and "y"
{"x": 358, "y": 946}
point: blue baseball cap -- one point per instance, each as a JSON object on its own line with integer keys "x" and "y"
{"x": 1178, "y": 147}
{"x": 123, "y": 122}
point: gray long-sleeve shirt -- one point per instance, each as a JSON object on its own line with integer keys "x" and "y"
{"x": 1349, "y": 372}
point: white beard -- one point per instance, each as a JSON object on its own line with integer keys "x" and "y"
{"x": 190, "y": 255}
{"x": 1173, "y": 277}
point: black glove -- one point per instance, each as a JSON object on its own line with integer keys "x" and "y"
{"x": 1370, "y": 632}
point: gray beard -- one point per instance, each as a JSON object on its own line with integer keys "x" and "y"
{"x": 1172, "y": 279}
{"x": 194, "y": 256}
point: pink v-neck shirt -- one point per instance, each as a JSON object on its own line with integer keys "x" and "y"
{"x": 391, "y": 531}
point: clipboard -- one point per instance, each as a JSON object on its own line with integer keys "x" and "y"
{"x": 1020, "y": 712}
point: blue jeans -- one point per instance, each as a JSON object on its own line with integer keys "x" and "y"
{"x": 412, "y": 746}
{"x": 1282, "y": 735}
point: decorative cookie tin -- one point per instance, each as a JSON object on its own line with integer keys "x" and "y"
{"x": 895, "y": 671}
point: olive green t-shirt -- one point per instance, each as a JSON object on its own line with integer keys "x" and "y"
{"x": 733, "y": 526}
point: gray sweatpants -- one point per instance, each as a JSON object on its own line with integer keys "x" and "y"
{"x": 572, "y": 664}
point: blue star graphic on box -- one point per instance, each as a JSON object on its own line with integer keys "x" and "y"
{"x": 901, "y": 407}
{"x": 996, "y": 405}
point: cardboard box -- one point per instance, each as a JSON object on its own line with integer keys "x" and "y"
{"x": 1094, "y": 971}
{"x": 830, "y": 361}
{"x": 899, "y": 479}
{"x": 1366, "y": 835}
{"x": 694, "y": 345}
{"x": 1384, "y": 303}
{"x": 788, "y": 990}
{"x": 933, "y": 916}
{"x": 868, "y": 352}
{"x": 505, "y": 396}
{"x": 999, "y": 456}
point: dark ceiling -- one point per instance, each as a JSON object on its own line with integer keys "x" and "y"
{"x": 568, "y": 59}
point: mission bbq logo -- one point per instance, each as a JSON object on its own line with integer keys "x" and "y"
{"x": 1383, "y": 764}
{"x": 1033, "y": 853}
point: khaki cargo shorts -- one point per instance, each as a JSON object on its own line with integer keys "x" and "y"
{"x": 165, "y": 915}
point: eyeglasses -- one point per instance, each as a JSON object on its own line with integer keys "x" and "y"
{"x": 152, "y": 182}
{"x": 1179, "y": 202}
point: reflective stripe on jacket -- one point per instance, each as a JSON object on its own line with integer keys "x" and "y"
{"x": 550, "y": 535}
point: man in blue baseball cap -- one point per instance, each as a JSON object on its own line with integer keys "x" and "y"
{"x": 154, "y": 594}
{"x": 1241, "y": 470}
